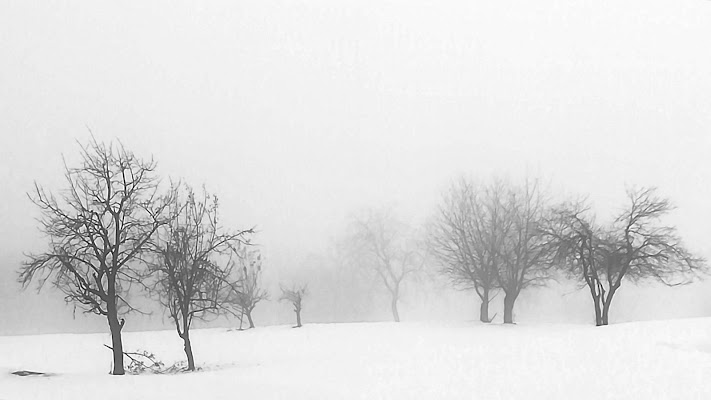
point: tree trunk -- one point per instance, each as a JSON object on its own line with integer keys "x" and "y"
{"x": 605, "y": 314}
{"x": 606, "y": 309}
{"x": 598, "y": 311}
{"x": 298, "y": 318}
{"x": 188, "y": 350}
{"x": 249, "y": 318}
{"x": 509, "y": 300}
{"x": 393, "y": 307}
{"x": 484, "y": 309}
{"x": 596, "y": 302}
{"x": 116, "y": 343}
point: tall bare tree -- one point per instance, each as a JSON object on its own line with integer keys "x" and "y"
{"x": 377, "y": 243}
{"x": 467, "y": 235}
{"x": 193, "y": 265}
{"x": 99, "y": 229}
{"x": 524, "y": 251}
{"x": 635, "y": 247}
{"x": 251, "y": 291}
{"x": 294, "y": 295}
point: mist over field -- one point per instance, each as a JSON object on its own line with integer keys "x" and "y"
{"x": 298, "y": 114}
{"x": 455, "y": 199}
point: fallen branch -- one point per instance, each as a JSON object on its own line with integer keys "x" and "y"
{"x": 150, "y": 363}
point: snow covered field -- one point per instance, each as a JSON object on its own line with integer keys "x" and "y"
{"x": 646, "y": 360}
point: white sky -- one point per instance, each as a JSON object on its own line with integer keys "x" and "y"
{"x": 298, "y": 112}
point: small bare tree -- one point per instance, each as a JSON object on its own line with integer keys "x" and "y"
{"x": 379, "y": 244}
{"x": 251, "y": 291}
{"x": 193, "y": 264}
{"x": 295, "y": 296}
{"x": 99, "y": 229}
{"x": 467, "y": 236}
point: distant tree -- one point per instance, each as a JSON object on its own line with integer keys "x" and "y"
{"x": 295, "y": 296}
{"x": 467, "y": 236}
{"x": 193, "y": 265}
{"x": 635, "y": 247}
{"x": 99, "y": 229}
{"x": 379, "y": 244}
{"x": 250, "y": 291}
{"x": 524, "y": 251}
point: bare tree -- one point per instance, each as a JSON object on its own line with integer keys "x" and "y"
{"x": 646, "y": 249}
{"x": 193, "y": 265}
{"x": 379, "y": 244}
{"x": 98, "y": 230}
{"x": 578, "y": 245}
{"x": 295, "y": 296}
{"x": 467, "y": 235}
{"x": 251, "y": 291}
{"x": 525, "y": 252}
{"x": 634, "y": 248}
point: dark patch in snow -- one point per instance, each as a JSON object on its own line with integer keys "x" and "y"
{"x": 30, "y": 373}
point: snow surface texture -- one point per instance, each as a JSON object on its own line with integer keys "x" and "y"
{"x": 648, "y": 360}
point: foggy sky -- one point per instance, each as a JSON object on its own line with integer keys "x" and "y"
{"x": 297, "y": 113}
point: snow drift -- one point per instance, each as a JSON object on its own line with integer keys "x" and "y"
{"x": 647, "y": 360}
